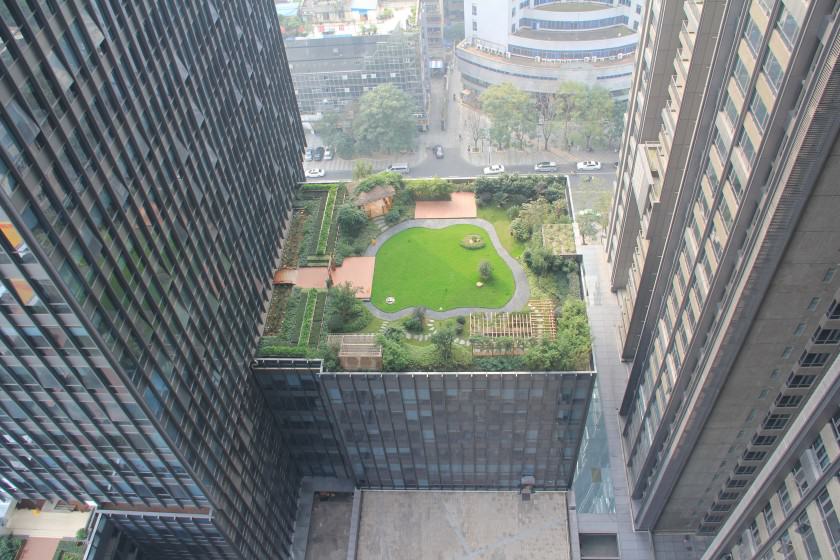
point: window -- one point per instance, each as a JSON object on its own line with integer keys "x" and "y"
{"x": 769, "y": 520}
{"x": 763, "y": 440}
{"x": 753, "y": 36}
{"x": 813, "y": 359}
{"x": 800, "y": 381}
{"x": 759, "y": 111}
{"x": 742, "y": 76}
{"x": 743, "y": 470}
{"x": 833, "y": 311}
{"x": 728, "y": 495}
{"x": 755, "y": 534}
{"x": 754, "y": 455}
{"x": 475, "y": 10}
{"x": 731, "y": 111}
{"x": 786, "y": 547}
{"x": 787, "y": 401}
{"x": 809, "y": 540}
{"x": 829, "y": 518}
{"x": 835, "y": 426}
{"x": 775, "y": 421}
{"x": 826, "y": 336}
{"x": 736, "y": 483}
{"x": 747, "y": 147}
{"x": 773, "y": 70}
{"x": 800, "y": 478}
{"x": 818, "y": 447}
{"x": 475, "y": 26}
{"x": 784, "y": 498}
{"x": 787, "y": 26}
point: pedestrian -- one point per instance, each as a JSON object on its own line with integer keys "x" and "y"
{"x": 459, "y": 138}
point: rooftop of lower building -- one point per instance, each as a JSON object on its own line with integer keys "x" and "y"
{"x": 573, "y": 7}
{"x": 611, "y": 32}
{"x": 527, "y": 61}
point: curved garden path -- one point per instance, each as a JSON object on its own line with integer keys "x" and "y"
{"x": 521, "y": 293}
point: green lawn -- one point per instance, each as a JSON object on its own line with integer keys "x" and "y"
{"x": 428, "y": 267}
{"x": 498, "y": 217}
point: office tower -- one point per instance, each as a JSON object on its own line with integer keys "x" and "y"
{"x": 538, "y": 44}
{"x": 149, "y": 154}
{"x": 723, "y": 244}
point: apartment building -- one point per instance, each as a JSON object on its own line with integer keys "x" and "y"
{"x": 723, "y": 244}
{"x": 148, "y": 157}
{"x": 537, "y": 44}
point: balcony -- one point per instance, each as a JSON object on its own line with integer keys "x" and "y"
{"x": 693, "y": 11}
{"x": 687, "y": 38}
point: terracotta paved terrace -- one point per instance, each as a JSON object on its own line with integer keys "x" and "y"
{"x": 462, "y": 205}
{"x": 358, "y": 271}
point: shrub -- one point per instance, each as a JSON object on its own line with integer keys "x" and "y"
{"x": 415, "y": 323}
{"x": 520, "y": 230}
{"x": 380, "y": 179}
{"x": 326, "y": 223}
{"x": 461, "y": 320}
{"x": 472, "y": 242}
{"x": 392, "y": 217}
{"x": 444, "y": 339}
{"x": 485, "y": 271}
{"x": 394, "y": 333}
{"x": 394, "y": 355}
{"x": 351, "y": 219}
{"x": 430, "y": 189}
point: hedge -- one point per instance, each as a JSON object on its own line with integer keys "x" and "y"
{"x": 326, "y": 222}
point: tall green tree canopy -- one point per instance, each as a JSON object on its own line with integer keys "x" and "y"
{"x": 385, "y": 120}
{"x": 510, "y": 111}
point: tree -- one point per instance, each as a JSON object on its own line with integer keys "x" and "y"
{"x": 588, "y": 224}
{"x": 546, "y": 110}
{"x": 509, "y": 112}
{"x": 430, "y": 189}
{"x": 615, "y": 128}
{"x": 569, "y": 98}
{"x": 475, "y": 127}
{"x": 443, "y": 340}
{"x": 351, "y": 219}
{"x": 362, "y": 169}
{"x": 343, "y": 309}
{"x": 485, "y": 271}
{"x": 385, "y": 120}
{"x": 595, "y": 115}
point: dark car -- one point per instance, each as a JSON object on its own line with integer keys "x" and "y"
{"x": 438, "y": 150}
{"x": 319, "y": 153}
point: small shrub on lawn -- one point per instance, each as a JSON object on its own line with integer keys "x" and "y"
{"x": 473, "y": 242}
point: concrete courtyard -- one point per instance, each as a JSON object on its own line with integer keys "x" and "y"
{"x": 463, "y": 525}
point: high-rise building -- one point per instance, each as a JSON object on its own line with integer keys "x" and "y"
{"x": 538, "y": 44}
{"x": 723, "y": 244}
{"x": 149, "y": 155}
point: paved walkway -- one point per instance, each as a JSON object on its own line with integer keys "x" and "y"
{"x": 520, "y": 295}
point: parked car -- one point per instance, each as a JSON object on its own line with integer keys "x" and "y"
{"x": 588, "y": 165}
{"x": 401, "y": 168}
{"x": 438, "y": 150}
{"x": 319, "y": 153}
{"x": 496, "y": 169}
{"x": 315, "y": 173}
{"x": 328, "y": 154}
{"x": 545, "y": 167}
{"x": 307, "y": 156}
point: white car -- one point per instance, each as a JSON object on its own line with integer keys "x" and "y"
{"x": 328, "y": 154}
{"x": 315, "y": 173}
{"x": 588, "y": 165}
{"x": 496, "y": 169}
{"x": 545, "y": 167}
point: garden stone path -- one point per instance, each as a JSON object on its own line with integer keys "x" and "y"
{"x": 521, "y": 293}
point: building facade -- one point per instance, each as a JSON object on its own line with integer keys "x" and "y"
{"x": 148, "y": 157}
{"x": 723, "y": 245}
{"x": 486, "y": 430}
{"x": 538, "y": 44}
{"x": 330, "y": 73}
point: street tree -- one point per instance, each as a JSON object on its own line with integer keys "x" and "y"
{"x": 385, "y": 121}
{"x": 615, "y": 128}
{"x": 362, "y": 169}
{"x": 546, "y": 111}
{"x": 596, "y": 114}
{"x": 569, "y": 98}
{"x": 475, "y": 127}
{"x": 509, "y": 112}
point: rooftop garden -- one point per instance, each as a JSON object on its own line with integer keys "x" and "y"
{"x": 496, "y": 291}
